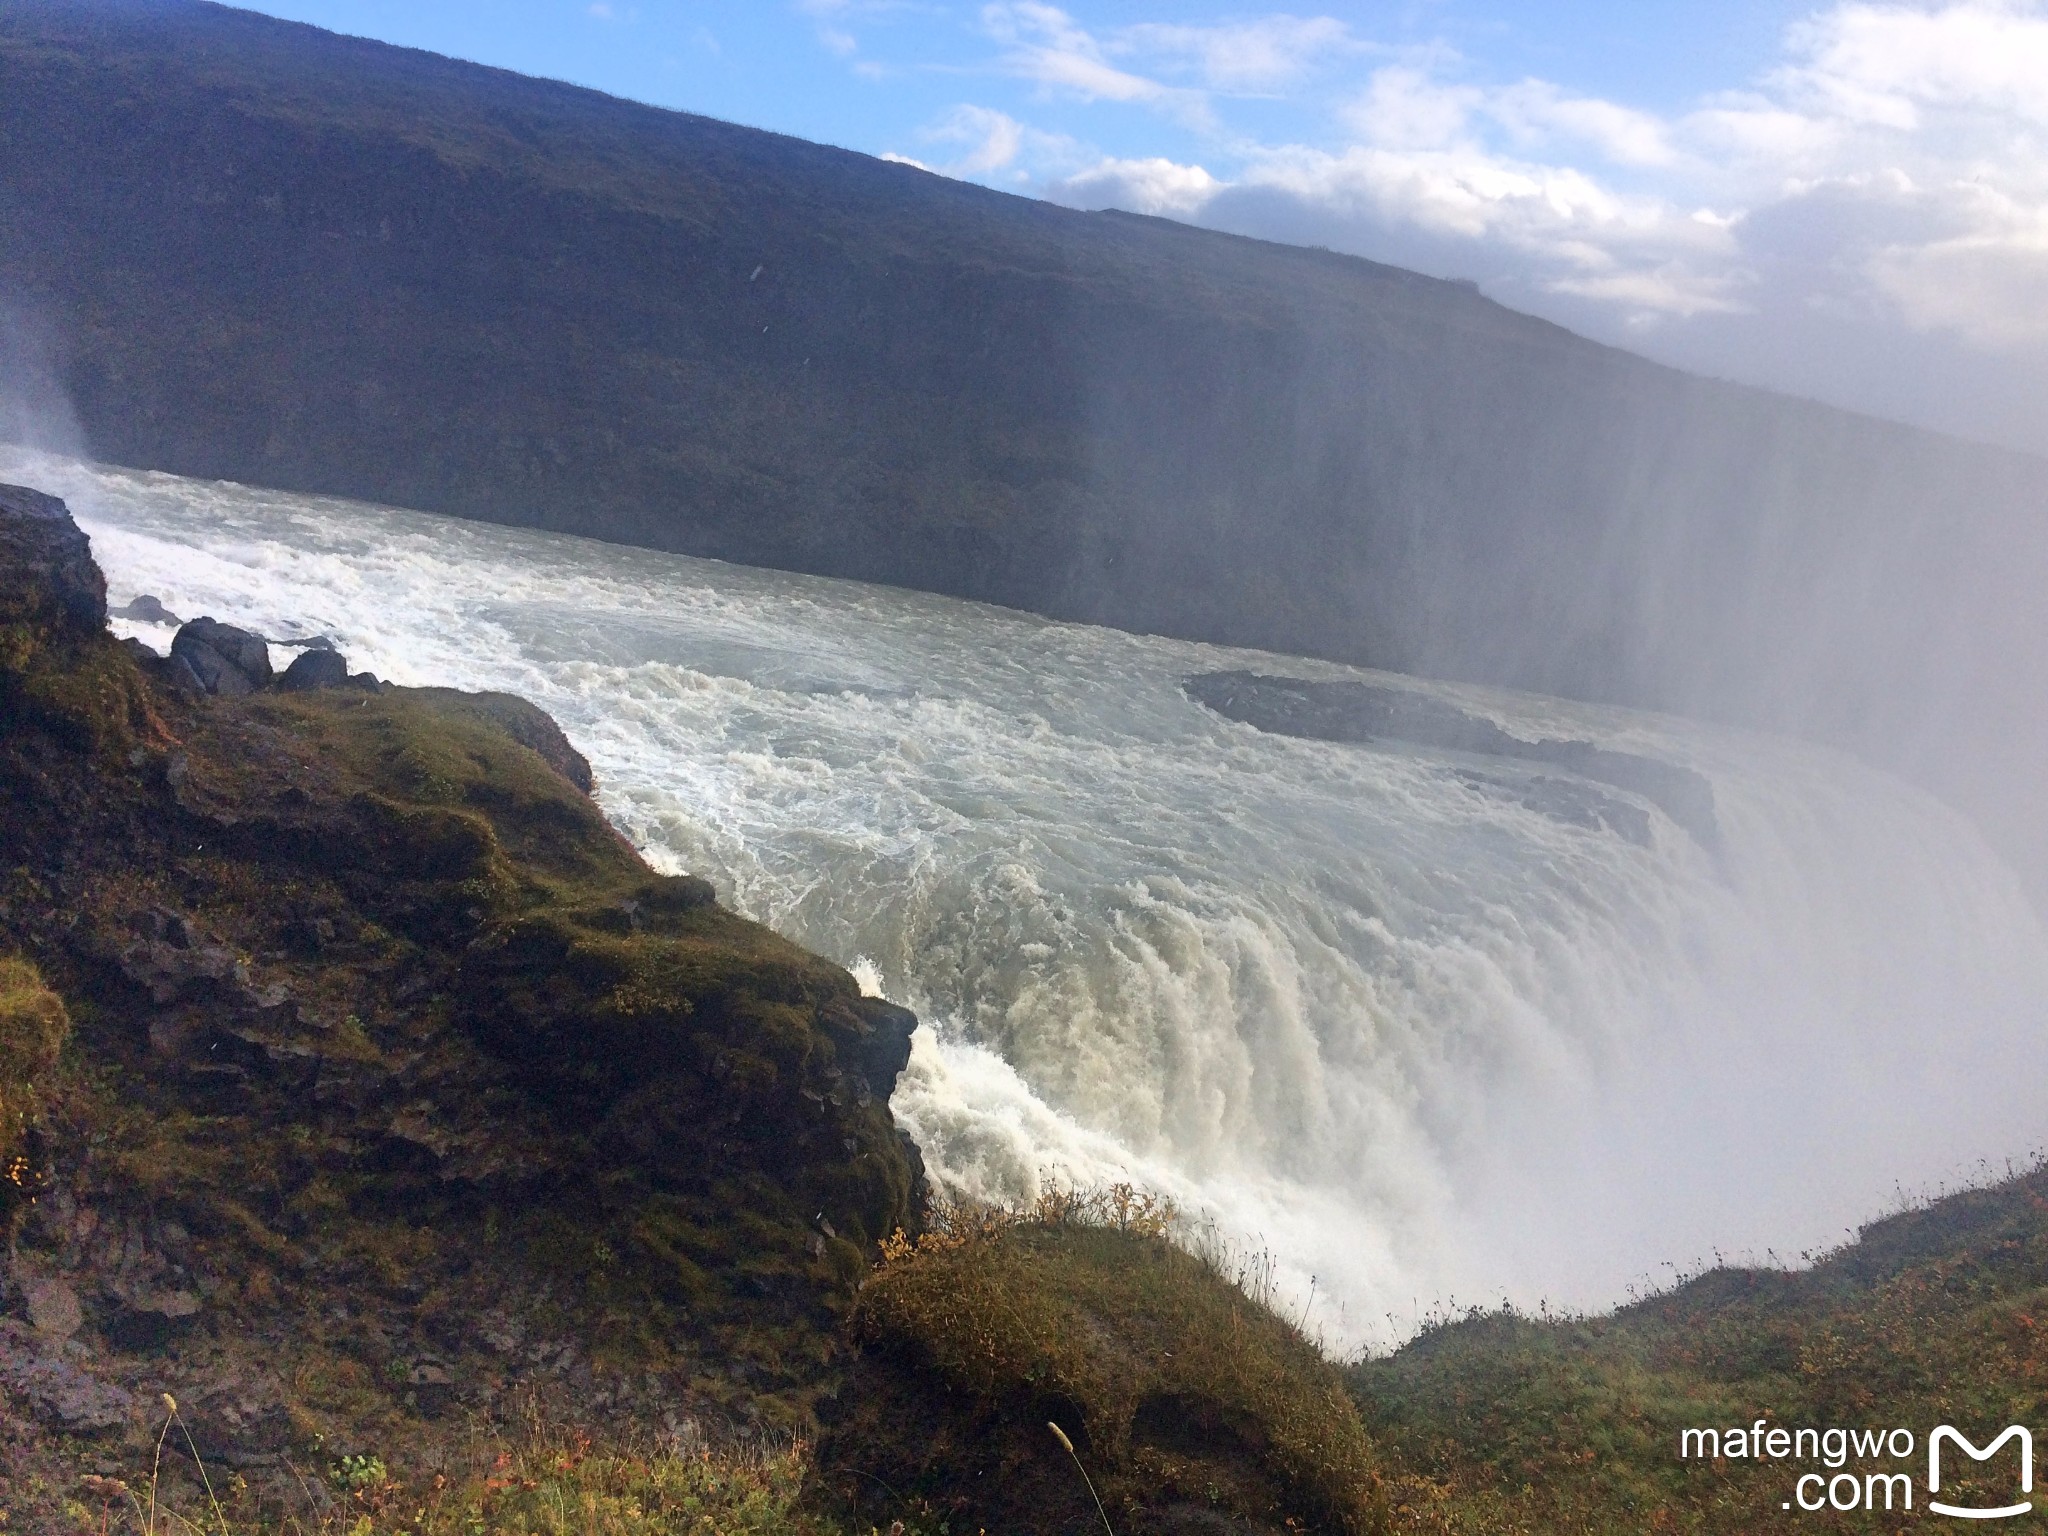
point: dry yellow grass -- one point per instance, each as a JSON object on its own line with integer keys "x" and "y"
{"x": 538, "y": 1479}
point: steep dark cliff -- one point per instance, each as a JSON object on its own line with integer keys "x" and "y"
{"x": 262, "y": 252}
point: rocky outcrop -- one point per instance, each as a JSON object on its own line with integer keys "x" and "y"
{"x": 47, "y": 573}
{"x": 56, "y": 1387}
{"x": 401, "y": 1083}
{"x": 212, "y": 658}
{"x": 146, "y": 609}
{"x": 1366, "y": 713}
{"x": 535, "y": 729}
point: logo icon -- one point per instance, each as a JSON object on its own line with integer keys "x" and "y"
{"x": 2017, "y": 1432}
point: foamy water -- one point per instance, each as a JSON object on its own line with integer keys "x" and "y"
{"x": 1364, "y": 1007}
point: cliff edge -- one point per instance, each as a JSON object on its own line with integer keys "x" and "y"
{"x": 358, "y": 1081}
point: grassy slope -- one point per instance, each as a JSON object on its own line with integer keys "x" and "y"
{"x": 1934, "y": 1316}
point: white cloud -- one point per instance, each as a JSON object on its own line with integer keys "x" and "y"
{"x": 1653, "y": 293}
{"x": 1156, "y": 186}
{"x": 1988, "y": 283}
{"x": 990, "y": 142}
{"x": 1406, "y": 107}
{"x": 1569, "y": 232}
{"x": 1243, "y": 56}
{"x": 1536, "y": 110}
{"x": 992, "y": 139}
{"x": 1046, "y": 45}
{"x": 1885, "y": 64}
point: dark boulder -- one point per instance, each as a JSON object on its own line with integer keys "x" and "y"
{"x": 221, "y": 658}
{"x": 148, "y": 610}
{"x": 316, "y": 668}
{"x": 47, "y": 573}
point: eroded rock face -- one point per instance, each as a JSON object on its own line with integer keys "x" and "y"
{"x": 53, "y": 1308}
{"x": 59, "y": 1390}
{"x": 46, "y": 565}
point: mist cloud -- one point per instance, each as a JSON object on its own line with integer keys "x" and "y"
{"x": 35, "y": 407}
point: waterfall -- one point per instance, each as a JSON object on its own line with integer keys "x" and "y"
{"x": 1410, "y": 1019}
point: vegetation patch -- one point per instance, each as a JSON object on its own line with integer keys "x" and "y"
{"x": 1503, "y": 1423}
{"x": 33, "y": 1026}
{"x": 535, "y": 1478}
{"x": 1186, "y": 1401}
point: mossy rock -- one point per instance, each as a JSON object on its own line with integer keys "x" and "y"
{"x": 1190, "y": 1405}
{"x": 375, "y": 1012}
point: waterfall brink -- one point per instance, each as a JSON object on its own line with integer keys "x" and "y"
{"x": 1437, "y": 1027}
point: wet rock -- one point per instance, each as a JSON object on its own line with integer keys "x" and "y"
{"x": 224, "y": 659}
{"x": 146, "y": 609}
{"x": 46, "y": 565}
{"x": 179, "y": 674}
{"x": 316, "y": 668}
{"x": 1327, "y": 710}
{"x": 872, "y": 1039}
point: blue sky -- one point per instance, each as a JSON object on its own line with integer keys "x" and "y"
{"x": 1847, "y": 200}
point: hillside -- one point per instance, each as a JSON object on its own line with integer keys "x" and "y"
{"x": 248, "y": 249}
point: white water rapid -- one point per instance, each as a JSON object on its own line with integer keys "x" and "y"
{"x": 1365, "y": 1007}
